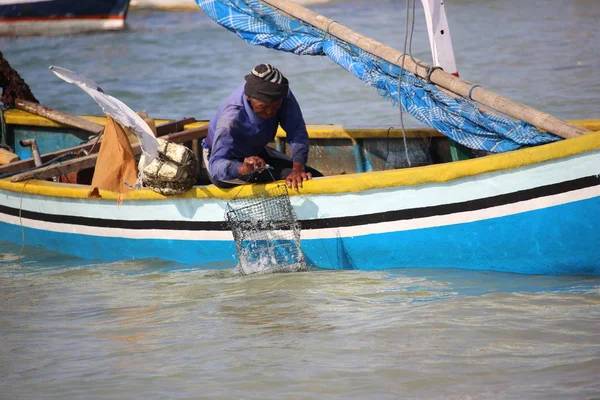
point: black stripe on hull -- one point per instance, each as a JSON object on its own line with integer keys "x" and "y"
{"x": 338, "y": 222}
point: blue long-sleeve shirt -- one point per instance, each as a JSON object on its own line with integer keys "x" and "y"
{"x": 236, "y": 132}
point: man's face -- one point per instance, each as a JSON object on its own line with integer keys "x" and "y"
{"x": 264, "y": 110}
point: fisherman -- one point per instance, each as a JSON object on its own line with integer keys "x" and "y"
{"x": 235, "y": 149}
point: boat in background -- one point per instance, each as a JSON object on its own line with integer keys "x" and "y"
{"x": 60, "y": 17}
{"x": 190, "y": 5}
{"x": 166, "y": 5}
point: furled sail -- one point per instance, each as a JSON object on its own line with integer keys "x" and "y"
{"x": 460, "y": 119}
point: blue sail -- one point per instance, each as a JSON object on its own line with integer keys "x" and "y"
{"x": 259, "y": 24}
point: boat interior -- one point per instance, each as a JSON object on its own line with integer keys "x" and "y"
{"x": 335, "y": 150}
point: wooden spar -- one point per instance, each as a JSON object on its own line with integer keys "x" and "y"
{"x": 61, "y": 168}
{"x": 58, "y": 116}
{"x": 174, "y": 126}
{"x": 28, "y": 163}
{"x": 439, "y": 77}
{"x": 67, "y": 167}
{"x": 187, "y": 135}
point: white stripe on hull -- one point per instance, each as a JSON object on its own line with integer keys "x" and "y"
{"x": 456, "y": 218}
{"x": 384, "y": 227}
{"x": 120, "y": 232}
{"x": 322, "y": 206}
{"x": 59, "y": 27}
{"x": 11, "y": 2}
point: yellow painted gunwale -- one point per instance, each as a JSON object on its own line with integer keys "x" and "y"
{"x": 351, "y": 183}
{"x": 20, "y": 117}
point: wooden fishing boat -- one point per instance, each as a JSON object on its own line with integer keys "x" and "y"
{"x": 60, "y": 17}
{"x": 528, "y": 211}
{"x": 531, "y": 210}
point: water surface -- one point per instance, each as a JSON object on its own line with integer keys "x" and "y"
{"x": 78, "y": 329}
{"x": 149, "y": 329}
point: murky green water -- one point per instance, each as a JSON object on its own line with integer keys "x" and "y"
{"x": 74, "y": 329}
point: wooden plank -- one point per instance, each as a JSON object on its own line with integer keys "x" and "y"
{"x": 28, "y": 163}
{"x": 7, "y": 156}
{"x": 20, "y": 117}
{"x": 187, "y": 135}
{"x": 67, "y": 167}
{"x": 173, "y": 126}
{"x": 58, "y": 116}
{"x": 62, "y": 168}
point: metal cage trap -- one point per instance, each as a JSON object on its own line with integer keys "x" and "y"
{"x": 266, "y": 232}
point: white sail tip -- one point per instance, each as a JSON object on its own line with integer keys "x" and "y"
{"x": 74, "y": 77}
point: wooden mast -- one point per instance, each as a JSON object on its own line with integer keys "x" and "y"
{"x": 438, "y": 77}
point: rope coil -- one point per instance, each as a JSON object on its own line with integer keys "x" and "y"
{"x": 471, "y": 91}
{"x": 326, "y": 31}
{"x": 430, "y": 70}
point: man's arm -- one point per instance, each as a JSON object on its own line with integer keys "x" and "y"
{"x": 222, "y": 165}
{"x": 294, "y": 126}
{"x": 223, "y": 162}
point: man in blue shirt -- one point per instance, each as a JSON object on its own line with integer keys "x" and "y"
{"x": 236, "y": 151}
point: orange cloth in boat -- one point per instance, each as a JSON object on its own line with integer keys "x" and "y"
{"x": 116, "y": 162}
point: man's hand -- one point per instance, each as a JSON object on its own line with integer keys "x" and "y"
{"x": 250, "y": 165}
{"x": 297, "y": 176}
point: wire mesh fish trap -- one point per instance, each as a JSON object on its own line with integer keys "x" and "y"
{"x": 266, "y": 233}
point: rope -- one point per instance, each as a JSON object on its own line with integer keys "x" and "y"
{"x": 98, "y": 136}
{"x": 421, "y": 64}
{"x": 2, "y": 126}
{"x": 266, "y": 167}
{"x": 471, "y": 91}
{"x": 387, "y": 146}
{"x": 407, "y": 49}
{"x": 326, "y": 31}
{"x": 430, "y": 70}
{"x": 407, "y": 45}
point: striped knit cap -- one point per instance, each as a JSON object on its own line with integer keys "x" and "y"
{"x": 266, "y": 83}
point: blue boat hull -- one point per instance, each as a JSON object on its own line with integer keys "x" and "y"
{"x": 528, "y": 243}
{"x": 531, "y": 211}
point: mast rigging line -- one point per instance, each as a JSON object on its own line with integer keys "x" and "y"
{"x": 407, "y": 42}
{"x": 423, "y": 70}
